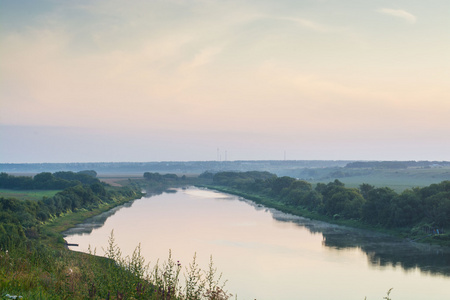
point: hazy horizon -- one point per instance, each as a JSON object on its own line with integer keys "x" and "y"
{"x": 181, "y": 80}
{"x": 222, "y": 160}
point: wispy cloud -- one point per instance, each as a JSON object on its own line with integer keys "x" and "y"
{"x": 399, "y": 13}
{"x": 306, "y": 23}
{"x": 204, "y": 57}
{"x": 309, "y": 24}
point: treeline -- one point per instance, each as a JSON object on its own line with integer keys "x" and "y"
{"x": 158, "y": 183}
{"x": 382, "y": 207}
{"x": 20, "y": 219}
{"x": 396, "y": 164}
{"x": 48, "y": 181}
{"x": 162, "y": 177}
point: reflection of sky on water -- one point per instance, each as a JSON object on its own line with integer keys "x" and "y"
{"x": 381, "y": 249}
{"x": 95, "y": 222}
{"x": 207, "y": 194}
{"x": 256, "y": 247}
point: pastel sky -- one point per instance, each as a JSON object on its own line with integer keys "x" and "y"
{"x": 174, "y": 80}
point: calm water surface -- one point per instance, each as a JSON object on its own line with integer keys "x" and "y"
{"x": 266, "y": 254}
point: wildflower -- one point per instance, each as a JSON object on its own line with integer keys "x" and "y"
{"x": 8, "y": 296}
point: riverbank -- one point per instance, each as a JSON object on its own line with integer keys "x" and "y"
{"x": 257, "y": 247}
{"x": 36, "y": 264}
{"x": 52, "y": 230}
{"x": 404, "y": 233}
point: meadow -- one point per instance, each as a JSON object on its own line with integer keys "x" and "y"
{"x": 396, "y": 179}
{"x": 33, "y": 195}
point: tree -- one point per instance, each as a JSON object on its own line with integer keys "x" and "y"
{"x": 378, "y": 208}
{"x": 437, "y": 209}
{"x": 170, "y": 176}
{"x": 344, "y": 202}
{"x": 279, "y": 183}
{"x": 365, "y": 188}
{"x": 98, "y": 189}
{"x": 43, "y": 177}
{"x": 407, "y": 209}
{"x": 91, "y": 173}
{"x": 153, "y": 176}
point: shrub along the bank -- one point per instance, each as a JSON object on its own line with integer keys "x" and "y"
{"x": 428, "y": 207}
{"x": 21, "y": 219}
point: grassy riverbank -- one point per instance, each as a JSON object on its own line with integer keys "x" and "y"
{"x": 412, "y": 234}
{"x": 298, "y": 211}
{"x": 51, "y": 230}
{"x": 35, "y": 264}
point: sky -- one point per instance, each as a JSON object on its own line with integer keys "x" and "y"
{"x": 182, "y": 80}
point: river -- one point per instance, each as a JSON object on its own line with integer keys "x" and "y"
{"x": 266, "y": 254}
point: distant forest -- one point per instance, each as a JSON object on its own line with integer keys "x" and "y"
{"x": 396, "y": 164}
{"x": 279, "y": 167}
{"x": 47, "y": 180}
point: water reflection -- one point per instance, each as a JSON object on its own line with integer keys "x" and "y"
{"x": 98, "y": 221}
{"x": 381, "y": 250}
{"x": 95, "y": 222}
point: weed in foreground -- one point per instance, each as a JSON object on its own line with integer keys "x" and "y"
{"x": 162, "y": 281}
{"x": 387, "y": 295}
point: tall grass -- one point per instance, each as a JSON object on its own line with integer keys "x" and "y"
{"x": 36, "y": 271}
{"x": 162, "y": 281}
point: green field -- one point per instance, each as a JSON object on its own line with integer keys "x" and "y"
{"x": 33, "y": 195}
{"x": 397, "y": 179}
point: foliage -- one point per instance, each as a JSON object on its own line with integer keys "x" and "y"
{"x": 90, "y": 173}
{"x": 206, "y": 175}
{"x": 85, "y": 177}
{"x": 158, "y": 183}
{"x": 381, "y": 207}
{"x": 47, "y": 181}
{"x": 20, "y": 220}
{"x": 36, "y": 271}
{"x": 159, "y": 177}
